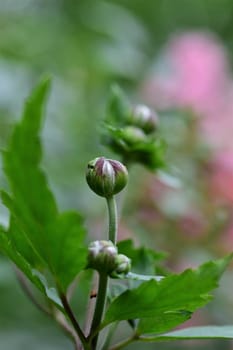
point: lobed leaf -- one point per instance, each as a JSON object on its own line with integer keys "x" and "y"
{"x": 177, "y": 295}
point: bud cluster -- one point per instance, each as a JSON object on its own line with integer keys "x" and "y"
{"x": 103, "y": 256}
{"x": 131, "y": 131}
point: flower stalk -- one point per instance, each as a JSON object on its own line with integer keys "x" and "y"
{"x": 113, "y": 222}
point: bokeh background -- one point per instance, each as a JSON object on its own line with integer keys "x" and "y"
{"x": 175, "y": 56}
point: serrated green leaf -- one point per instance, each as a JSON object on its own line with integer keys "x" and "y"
{"x": 31, "y": 202}
{"x": 43, "y": 237}
{"x": 176, "y": 293}
{"x": 203, "y": 332}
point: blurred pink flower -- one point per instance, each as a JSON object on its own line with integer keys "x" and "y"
{"x": 196, "y": 73}
{"x": 226, "y": 239}
{"x": 216, "y": 127}
{"x": 221, "y": 176}
{"x": 201, "y": 71}
{"x": 192, "y": 224}
{"x": 196, "y": 76}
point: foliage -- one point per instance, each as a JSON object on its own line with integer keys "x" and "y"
{"x": 50, "y": 249}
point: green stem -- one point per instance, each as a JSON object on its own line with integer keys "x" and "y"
{"x": 103, "y": 278}
{"x": 99, "y": 307}
{"x": 113, "y": 224}
{"x": 74, "y": 322}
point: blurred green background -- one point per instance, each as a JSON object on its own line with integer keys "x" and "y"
{"x": 86, "y": 46}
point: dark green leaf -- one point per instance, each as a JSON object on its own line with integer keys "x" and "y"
{"x": 176, "y": 293}
{"x": 163, "y": 322}
{"x": 31, "y": 203}
{"x": 67, "y": 250}
{"x": 18, "y": 237}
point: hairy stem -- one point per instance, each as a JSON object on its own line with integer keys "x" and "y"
{"x": 113, "y": 224}
{"x": 99, "y": 307}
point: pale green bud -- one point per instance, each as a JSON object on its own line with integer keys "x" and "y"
{"x": 144, "y": 118}
{"x": 102, "y": 256}
{"x": 123, "y": 265}
{"x": 106, "y": 177}
{"x": 133, "y": 135}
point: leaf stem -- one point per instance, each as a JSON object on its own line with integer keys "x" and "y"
{"x": 99, "y": 308}
{"x": 74, "y": 322}
{"x": 53, "y": 313}
{"x": 68, "y": 329}
{"x": 112, "y": 214}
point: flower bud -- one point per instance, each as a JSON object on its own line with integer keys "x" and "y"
{"x": 102, "y": 256}
{"x": 144, "y": 118}
{"x": 133, "y": 135}
{"x": 123, "y": 265}
{"x": 106, "y": 177}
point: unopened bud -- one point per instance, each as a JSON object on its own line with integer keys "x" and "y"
{"x": 123, "y": 265}
{"x": 133, "y": 135}
{"x": 144, "y": 118}
{"x": 102, "y": 256}
{"x": 106, "y": 177}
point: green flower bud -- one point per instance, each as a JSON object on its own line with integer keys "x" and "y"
{"x": 144, "y": 118}
{"x": 132, "y": 135}
{"x": 106, "y": 177}
{"x": 102, "y": 256}
{"x": 123, "y": 265}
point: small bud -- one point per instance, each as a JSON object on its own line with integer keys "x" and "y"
{"x": 133, "y": 135}
{"x": 123, "y": 265}
{"x": 106, "y": 177}
{"x": 144, "y": 118}
{"x": 102, "y": 256}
